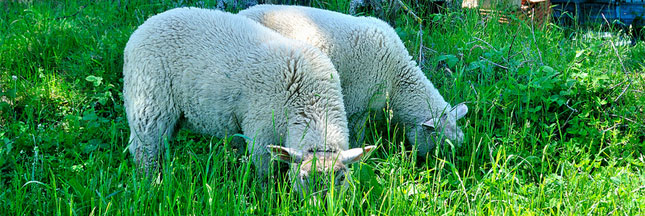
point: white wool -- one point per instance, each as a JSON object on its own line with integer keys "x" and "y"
{"x": 221, "y": 74}
{"x": 373, "y": 64}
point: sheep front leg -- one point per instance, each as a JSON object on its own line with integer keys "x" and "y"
{"x": 261, "y": 160}
{"x": 260, "y": 156}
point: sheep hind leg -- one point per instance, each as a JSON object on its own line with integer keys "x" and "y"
{"x": 152, "y": 124}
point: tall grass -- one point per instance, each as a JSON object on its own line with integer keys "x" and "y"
{"x": 556, "y": 124}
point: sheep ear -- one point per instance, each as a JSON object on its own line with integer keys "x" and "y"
{"x": 289, "y": 155}
{"x": 432, "y": 123}
{"x": 459, "y": 111}
{"x": 354, "y": 155}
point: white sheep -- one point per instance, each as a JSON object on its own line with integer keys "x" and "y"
{"x": 221, "y": 74}
{"x": 374, "y": 66}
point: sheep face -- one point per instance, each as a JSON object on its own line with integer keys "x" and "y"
{"x": 437, "y": 130}
{"x": 313, "y": 172}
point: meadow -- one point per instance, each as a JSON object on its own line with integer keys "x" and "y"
{"x": 556, "y": 124}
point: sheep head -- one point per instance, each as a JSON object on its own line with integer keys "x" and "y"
{"x": 437, "y": 130}
{"x": 314, "y": 171}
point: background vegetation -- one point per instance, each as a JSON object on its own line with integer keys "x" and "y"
{"x": 556, "y": 123}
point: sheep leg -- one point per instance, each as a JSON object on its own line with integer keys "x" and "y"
{"x": 149, "y": 131}
{"x": 152, "y": 115}
{"x": 260, "y": 157}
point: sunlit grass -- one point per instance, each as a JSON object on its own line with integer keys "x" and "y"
{"x": 555, "y": 125}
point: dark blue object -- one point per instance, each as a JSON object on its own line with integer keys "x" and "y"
{"x": 622, "y": 12}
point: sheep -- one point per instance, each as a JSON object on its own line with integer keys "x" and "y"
{"x": 374, "y": 67}
{"x": 221, "y": 74}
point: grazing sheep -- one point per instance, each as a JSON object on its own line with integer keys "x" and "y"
{"x": 220, "y": 74}
{"x": 374, "y": 65}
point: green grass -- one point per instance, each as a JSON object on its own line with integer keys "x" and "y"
{"x": 556, "y": 124}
